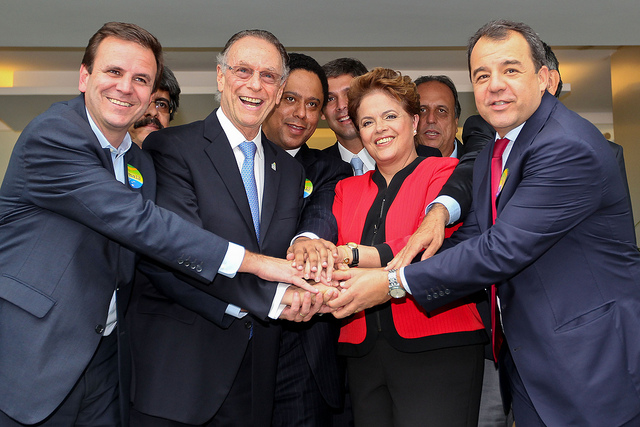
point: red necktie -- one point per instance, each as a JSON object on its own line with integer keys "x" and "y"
{"x": 496, "y": 172}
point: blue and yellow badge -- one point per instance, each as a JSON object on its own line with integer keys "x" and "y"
{"x": 308, "y": 188}
{"x": 135, "y": 177}
{"x": 503, "y": 178}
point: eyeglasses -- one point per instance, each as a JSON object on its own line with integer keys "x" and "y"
{"x": 163, "y": 106}
{"x": 244, "y": 73}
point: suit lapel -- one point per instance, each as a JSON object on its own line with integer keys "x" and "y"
{"x": 221, "y": 155}
{"x": 482, "y": 196}
{"x": 272, "y": 175}
{"x": 526, "y": 136}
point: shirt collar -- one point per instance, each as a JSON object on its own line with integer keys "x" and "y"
{"x": 512, "y": 134}
{"x": 104, "y": 143}
{"x": 235, "y": 137}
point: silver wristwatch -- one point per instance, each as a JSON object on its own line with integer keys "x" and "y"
{"x": 395, "y": 290}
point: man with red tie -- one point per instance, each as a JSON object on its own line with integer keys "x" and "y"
{"x": 559, "y": 250}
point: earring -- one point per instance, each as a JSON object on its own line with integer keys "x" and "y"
{"x": 415, "y": 131}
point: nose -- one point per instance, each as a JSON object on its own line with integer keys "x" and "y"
{"x": 300, "y": 111}
{"x": 430, "y": 116}
{"x": 381, "y": 126}
{"x": 124, "y": 85}
{"x": 151, "y": 109}
{"x": 496, "y": 82}
{"x": 254, "y": 81}
{"x": 342, "y": 102}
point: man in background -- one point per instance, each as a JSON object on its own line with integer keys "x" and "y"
{"x": 162, "y": 108}
{"x": 348, "y": 146}
{"x": 309, "y": 381}
{"x": 439, "y": 114}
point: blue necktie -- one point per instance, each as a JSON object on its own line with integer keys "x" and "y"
{"x": 248, "y": 148}
{"x": 357, "y": 165}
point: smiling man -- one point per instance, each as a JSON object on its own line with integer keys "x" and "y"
{"x": 308, "y": 351}
{"x": 348, "y": 146}
{"x": 549, "y": 227}
{"x": 161, "y": 110}
{"x": 216, "y": 358}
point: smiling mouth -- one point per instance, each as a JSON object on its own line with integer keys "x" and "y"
{"x": 295, "y": 127}
{"x": 120, "y": 103}
{"x": 251, "y": 101}
{"x": 344, "y": 119}
{"x": 384, "y": 140}
{"x": 431, "y": 133}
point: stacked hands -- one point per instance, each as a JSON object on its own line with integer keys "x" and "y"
{"x": 325, "y": 284}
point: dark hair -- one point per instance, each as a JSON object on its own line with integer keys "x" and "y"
{"x": 127, "y": 32}
{"x": 169, "y": 83}
{"x": 446, "y": 81}
{"x": 341, "y": 66}
{"x": 399, "y": 87}
{"x": 261, "y": 34}
{"x": 300, "y": 61}
{"x": 552, "y": 63}
{"x": 500, "y": 29}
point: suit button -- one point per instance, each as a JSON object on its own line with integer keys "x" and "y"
{"x": 247, "y": 324}
{"x": 447, "y": 291}
{"x": 99, "y": 329}
{"x": 199, "y": 268}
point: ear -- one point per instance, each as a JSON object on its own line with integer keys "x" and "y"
{"x": 220, "y": 78}
{"x": 280, "y": 92}
{"x": 84, "y": 75}
{"x": 416, "y": 120}
{"x": 543, "y": 78}
{"x": 554, "y": 81}
{"x": 322, "y": 115}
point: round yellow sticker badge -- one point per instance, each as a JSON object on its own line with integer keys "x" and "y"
{"x": 135, "y": 177}
{"x": 308, "y": 188}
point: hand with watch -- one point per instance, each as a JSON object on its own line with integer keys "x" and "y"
{"x": 364, "y": 288}
{"x": 350, "y": 249}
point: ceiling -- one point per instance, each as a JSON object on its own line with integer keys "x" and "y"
{"x": 41, "y": 42}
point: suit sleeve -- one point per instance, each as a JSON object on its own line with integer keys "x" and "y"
{"x": 476, "y": 134}
{"x": 317, "y": 216}
{"x": 66, "y": 174}
{"x": 561, "y": 185}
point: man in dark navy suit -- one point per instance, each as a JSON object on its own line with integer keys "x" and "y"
{"x": 549, "y": 227}
{"x": 308, "y": 387}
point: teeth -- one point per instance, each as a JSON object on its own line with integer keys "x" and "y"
{"x": 343, "y": 119}
{"x": 251, "y": 100}
{"x": 297, "y": 127}
{"x": 499, "y": 103}
{"x": 121, "y": 103}
{"x": 431, "y": 133}
{"x": 383, "y": 140}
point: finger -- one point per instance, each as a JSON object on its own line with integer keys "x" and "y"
{"x": 305, "y": 308}
{"x": 303, "y": 284}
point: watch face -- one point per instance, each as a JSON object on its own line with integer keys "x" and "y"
{"x": 397, "y": 293}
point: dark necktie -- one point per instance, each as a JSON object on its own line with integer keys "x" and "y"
{"x": 496, "y": 172}
{"x": 357, "y": 165}
{"x": 248, "y": 148}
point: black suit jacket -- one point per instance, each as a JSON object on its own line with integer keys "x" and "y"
{"x": 68, "y": 234}
{"x": 476, "y": 134}
{"x": 319, "y": 336}
{"x": 186, "y": 350}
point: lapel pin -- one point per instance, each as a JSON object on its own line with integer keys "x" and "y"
{"x": 273, "y": 165}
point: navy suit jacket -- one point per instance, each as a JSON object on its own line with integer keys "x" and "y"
{"x": 186, "y": 351}
{"x": 68, "y": 236}
{"x": 567, "y": 270}
{"x": 319, "y": 336}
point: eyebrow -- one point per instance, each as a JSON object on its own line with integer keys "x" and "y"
{"x": 245, "y": 63}
{"x": 162, "y": 98}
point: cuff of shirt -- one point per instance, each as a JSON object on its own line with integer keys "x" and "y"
{"x": 235, "y": 311}
{"x": 405, "y": 285}
{"x": 276, "y": 307}
{"x": 232, "y": 260}
{"x": 304, "y": 234}
{"x": 451, "y": 204}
